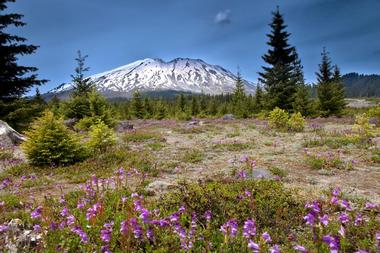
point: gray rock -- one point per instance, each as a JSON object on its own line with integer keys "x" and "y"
{"x": 9, "y": 136}
{"x": 261, "y": 173}
{"x": 228, "y": 117}
{"x": 124, "y": 126}
{"x": 193, "y": 123}
{"x": 159, "y": 186}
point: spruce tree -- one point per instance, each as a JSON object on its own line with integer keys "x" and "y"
{"x": 148, "y": 109}
{"x": 239, "y": 98}
{"x": 330, "y": 89}
{"x": 82, "y": 85}
{"x": 137, "y": 105}
{"x": 181, "y": 103}
{"x": 258, "y": 101}
{"x": 194, "y": 107}
{"x": 15, "y": 80}
{"x": 277, "y": 76}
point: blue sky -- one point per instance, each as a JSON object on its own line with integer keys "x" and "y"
{"x": 224, "y": 32}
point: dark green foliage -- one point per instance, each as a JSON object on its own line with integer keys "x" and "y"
{"x": 302, "y": 100}
{"x": 278, "y": 75}
{"x": 49, "y": 142}
{"x": 19, "y": 113}
{"x": 137, "y": 106}
{"x": 14, "y": 79}
{"x": 359, "y": 85}
{"x": 239, "y": 100}
{"x": 82, "y": 85}
{"x": 330, "y": 89}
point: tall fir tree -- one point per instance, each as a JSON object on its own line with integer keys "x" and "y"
{"x": 137, "y": 106}
{"x": 277, "y": 76}
{"x": 239, "y": 98}
{"x": 15, "y": 80}
{"x": 258, "y": 100}
{"x": 330, "y": 90}
{"x": 194, "y": 106}
{"x": 148, "y": 108}
{"x": 82, "y": 85}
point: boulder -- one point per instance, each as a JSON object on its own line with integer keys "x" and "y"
{"x": 9, "y": 136}
{"x": 228, "y": 117}
{"x": 124, "y": 126}
{"x": 70, "y": 123}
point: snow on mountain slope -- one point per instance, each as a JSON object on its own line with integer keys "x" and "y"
{"x": 181, "y": 74}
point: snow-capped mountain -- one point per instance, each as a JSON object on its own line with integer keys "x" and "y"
{"x": 180, "y": 74}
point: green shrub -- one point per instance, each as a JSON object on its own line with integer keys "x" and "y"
{"x": 183, "y": 116}
{"x": 296, "y": 122}
{"x": 362, "y": 127}
{"x": 375, "y": 112}
{"x": 49, "y": 142}
{"x": 85, "y": 123}
{"x": 278, "y": 119}
{"x": 101, "y": 137}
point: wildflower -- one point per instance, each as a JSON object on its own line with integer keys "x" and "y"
{"x": 362, "y": 251}
{"x": 174, "y": 217}
{"x": 230, "y": 228}
{"x": 182, "y": 209}
{"x": 342, "y": 231}
{"x": 253, "y": 246}
{"x": 83, "y": 236}
{"x": 2, "y": 203}
{"x": 344, "y": 218}
{"x": 208, "y": 215}
{"x": 378, "y": 235}
{"x": 345, "y": 204}
{"x": 248, "y": 194}
{"x": 300, "y": 248}
{"x": 244, "y": 158}
{"x": 336, "y": 191}
{"x": 149, "y": 234}
{"x": 144, "y": 215}
{"x": 137, "y": 230}
{"x": 53, "y": 226}
{"x": 324, "y": 219}
{"x": 106, "y": 232}
{"x": 124, "y": 227}
{"x": 134, "y": 195}
{"x": 36, "y": 213}
{"x": 36, "y": 228}
{"x": 106, "y": 249}
{"x": 3, "y": 228}
{"x": 62, "y": 200}
{"x": 334, "y": 200}
{"x": 70, "y": 220}
{"x": 64, "y": 212}
{"x": 249, "y": 229}
{"x": 333, "y": 242}
{"x": 309, "y": 218}
{"x": 124, "y": 199}
{"x": 266, "y": 237}
{"x": 370, "y": 205}
{"x": 358, "y": 219}
{"x": 314, "y": 206}
{"x": 275, "y": 249}
{"x": 94, "y": 180}
{"x": 93, "y": 211}
{"x": 242, "y": 174}
{"x": 80, "y": 204}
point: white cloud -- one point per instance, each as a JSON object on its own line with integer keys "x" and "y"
{"x": 223, "y": 17}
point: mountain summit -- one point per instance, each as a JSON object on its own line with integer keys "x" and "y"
{"x": 180, "y": 74}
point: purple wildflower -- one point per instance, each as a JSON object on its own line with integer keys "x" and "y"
{"x": 70, "y": 220}
{"x": 93, "y": 211}
{"x": 309, "y": 218}
{"x": 253, "y": 246}
{"x": 275, "y": 249}
{"x": 266, "y": 237}
{"x": 149, "y": 234}
{"x": 370, "y": 205}
{"x": 37, "y": 228}
{"x": 106, "y": 232}
{"x": 208, "y": 215}
{"x": 324, "y": 219}
{"x": 144, "y": 216}
{"x": 342, "y": 231}
{"x": 344, "y": 218}
{"x": 334, "y": 200}
{"x": 3, "y": 228}
{"x": 83, "y": 236}
{"x": 137, "y": 230}
{"x": 64, "y": 212}
{"x": 346, "y": 205}
{"x": 230, "y": 228}
{"x": 124, "y": 227}
{"x": 333, "y": 242}
{"x": 300, "y": 248}
{"x": 249, "y": 229}
{"x": 336, "y": 191}
{"x": 36, "y": 213}
{"x": 106, "y": 249}
{"x": 358, "y": 219}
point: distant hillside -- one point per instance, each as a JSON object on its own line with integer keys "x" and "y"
{"x": 359, "y": 85}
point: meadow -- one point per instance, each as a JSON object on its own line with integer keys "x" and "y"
{"x": 207, "y": 185}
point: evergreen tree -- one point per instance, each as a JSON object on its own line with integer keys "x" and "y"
{"x": 14, "y": 79}
{"x": 181, "y": 103}
{"x": 302, "y": 101}
{"x": 194, "y": 108}
{"x": 137, "y": 105}
{"x": 330, "y": 90}
{"x": 277, "y": 77}
{"x": 239, "y": 98}
{"x": 38, "y": 98}
{"x": 148, "y": 109}
{"x": 160, "y": 110}
{"x": 82, "y": 85}
{"x": 258, "y": 101}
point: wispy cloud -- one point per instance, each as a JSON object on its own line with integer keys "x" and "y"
{"x": 223, "y": 17}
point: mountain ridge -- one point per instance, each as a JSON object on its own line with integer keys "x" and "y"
{"x": 154, "y": 74}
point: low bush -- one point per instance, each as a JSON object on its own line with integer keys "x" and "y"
{"x": 278, "y": 119}
{"x": 296, "y": 122}
{"x": 49, "y": 142}
{"x": 101, "y": 137}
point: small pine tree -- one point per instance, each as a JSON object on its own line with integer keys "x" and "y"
{"x": 302, "y": 101}
{"x": 258, "y": 103}
{"x": 181, "y": 103}
{"x": 82, "y": 85}
{"x": 137, "y": 106}
{"x": 194, "y": 107}
{"x": 101, "y": 137}
{"x": 160, "y": 110}
{"x": 49, "y": 142}
{"x": 148, "y": 109}
{"x": 239, "y": 98}
{"x": 330, "y": 89}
